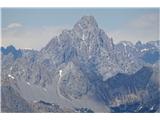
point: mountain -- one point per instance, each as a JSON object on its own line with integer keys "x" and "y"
{"x": 131, "y": 93}
{"x": 11, "y": 100}
{"x": 82, "y": 70}
{"x": 149, "y": 52}
{"x": 11, "y": 50}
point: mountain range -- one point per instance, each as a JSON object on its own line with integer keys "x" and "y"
{"x": 81, "y": 70}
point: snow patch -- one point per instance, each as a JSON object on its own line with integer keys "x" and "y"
{"x": 83, "y": 37}
{"x": 60, "y": 73}
{"x": 27, "y": 48}
{"x": 152, "y": 108}
{"x": 144, "y": 50}
{"x": 124, "y": 44}
{"x": 10, "y": 76}
{"x": 58, "y": 84}
{"x": 28, "y": 83}
{"x": 80, "y": 26}
{"x": 140, "y": 108}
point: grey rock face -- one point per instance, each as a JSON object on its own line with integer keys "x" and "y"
{"x": 149, "y": 52}
{"x": 42, "y": 106}
{"x": 137, "y": 90}
{"x": 89, "y": 44}
{"x": 12, "y": 102}
{"x": 79, "y": 64}
{"x": 127, "y": 59}
{"x": 72, "y": 82}
{"x": 10, "y": 49}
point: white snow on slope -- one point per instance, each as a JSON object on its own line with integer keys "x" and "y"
{"x": 10, "y": 76}
{"x": 144, "y": 50}
{"x": 124, "y": 44}
{"x": 139, "y": 108}
{"x": 152, "y": 108}
{"x": 28, "y": 83}
{"x": 27, "y": 48}
{"x": 60, "y": 73}
{"x": 58, "y": 84}
{"x": 80, "y": 26}
{"x": 83, "y": 37}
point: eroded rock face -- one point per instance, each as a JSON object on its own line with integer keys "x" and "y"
{"x": 80, "y": 62}
{"x": 131, "y": 93}
{"x": 42, "y": 106}
{"x": 72, "y": 82}
{"x": 12, "y": 102}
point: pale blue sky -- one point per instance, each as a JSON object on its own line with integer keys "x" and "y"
{"x": 120, "y": 23}
{"x": 107, "y": 18}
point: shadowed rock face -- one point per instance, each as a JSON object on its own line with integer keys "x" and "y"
{"x": 149, "y": 52}
{"x": 11, "y": 49}
{"x": 131, "y": 93}
{"x": 151, "y": 57}
{"x": 42, "y": 106}
{"x": 12, "y": 101}
{"x": 125, "y": 85}
{"x": 82, "y": 64}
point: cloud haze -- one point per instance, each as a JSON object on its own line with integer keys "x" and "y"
{"x": 32, "y": 37}
{"x": 144, "y": 28}
{"x": 14, "y": 25}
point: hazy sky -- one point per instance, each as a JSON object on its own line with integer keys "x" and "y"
{"x": 33, "y": 28}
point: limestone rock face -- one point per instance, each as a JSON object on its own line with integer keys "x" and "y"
{"x": 81, "y": 64}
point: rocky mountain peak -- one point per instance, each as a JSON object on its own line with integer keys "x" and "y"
{"x": 86, "y": 22}
{"x": 11, "y": 49}
{"x": 139, "y": 43}
{"x": 126, "y": 43}
{"x": 85, "y": 26}
{"x": 81, "y": 67}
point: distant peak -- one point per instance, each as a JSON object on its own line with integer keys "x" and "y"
{"x": 86, "y": 22}
{"x": 138, "y": 43}
{"x": 11, "y": 49}
{"x": 89, "y": 19}
{"x": 8, "y": 48}
{"x": 126, "y": 43}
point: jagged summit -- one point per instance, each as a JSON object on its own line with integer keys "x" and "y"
{"x": 11, "y": 49}
{"x": 81, "y": 68}
{"x": 86, "y": 22}
{"x": 126, "y": 43}
{"x": 84, "y": 38}
{"x": 86, "y": 25}
{"x": 87, "y": 42}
